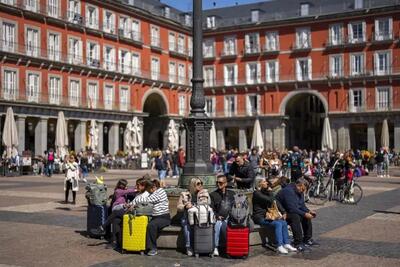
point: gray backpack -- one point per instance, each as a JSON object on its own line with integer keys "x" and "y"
{"x": 96, "y": 194}
{"x": 144, "y": 209}
{"x": 239, "y": 214}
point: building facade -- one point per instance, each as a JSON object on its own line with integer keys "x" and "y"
{"x": 288, "y": 63}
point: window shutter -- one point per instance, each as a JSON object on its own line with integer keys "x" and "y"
{"x": 364, "y": 26}
{"x": 258, "y": 73}
{"x": 225, "y": 75}
{"x": 258, "y": 108}
{"x": 376, "y": 63}
{"x": 119, "y": 60}
{"x": 309, "y": 68}
{"x": 235, "y": 105}
{"x": 276, "y": 70}
{"x": 226, "y": 106}
{"x": 390, "y": 27}
{"x": 298, "y": 70}
{"x": 377, "y": 32}
{"x": 247, "y": 43}
{"x": 248, "y": 77}
{"x": 236, "y": 74}
{"x": 350, "y": 33}
{"x": 351, "y": 101}
{"x": 80, "y": 52}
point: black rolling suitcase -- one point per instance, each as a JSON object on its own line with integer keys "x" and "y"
{"x": 203, "y": 239}
{"x": 96, "y": 216}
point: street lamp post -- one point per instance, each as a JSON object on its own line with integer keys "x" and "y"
{"x": 197, "y": 125}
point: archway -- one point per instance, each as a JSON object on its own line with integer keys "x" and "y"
{"x": 155, "y": 124}
{"x": 305, "y": 114}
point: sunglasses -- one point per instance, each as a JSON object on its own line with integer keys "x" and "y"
{"x": 220, "y": 183}
{"x": 199, "y": 183}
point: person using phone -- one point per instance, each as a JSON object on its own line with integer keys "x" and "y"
{"x": 299, "y": 217}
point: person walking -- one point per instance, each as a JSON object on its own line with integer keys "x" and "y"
{"x": 50, "y": 162}
{"x": 162, "y": 164}
{"x": 71, "y": 181}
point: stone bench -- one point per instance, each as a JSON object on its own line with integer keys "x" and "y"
{"x": 172, "y": 237}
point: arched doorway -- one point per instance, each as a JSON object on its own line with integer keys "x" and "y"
{"x": 155, "y": 124}
{"x": 305, "y": 114}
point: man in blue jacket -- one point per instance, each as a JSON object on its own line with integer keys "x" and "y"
{"x": 298, "y": 215}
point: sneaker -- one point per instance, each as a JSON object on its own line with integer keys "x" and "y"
{"x": 189, "y": 252}
{"x": 311, "y": 243}
{"x": 152, "y": 252}
{"x": 282, "y": 250}
{"x": 290, "y": 248}
{"x": 215, "y": 253}
{"x": 301, "y": 248}
{"x": 98, "y": 231}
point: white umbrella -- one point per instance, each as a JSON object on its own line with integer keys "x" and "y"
{"x": 385, "y": 134}
{"x": 136, "y": 136}
{"x": 257, "y": 139}
{"x": 326, "y": 141}
{"x": 10, "y": 134}
{"x": 61, "y": 136}
{"x": 172, "y": 136}
{"x": 93, "y": 136}
{"x": 213, "y": 136}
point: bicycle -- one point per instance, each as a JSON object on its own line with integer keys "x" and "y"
{"x": 317, "y": 192}
{"x": 350, "y": 193}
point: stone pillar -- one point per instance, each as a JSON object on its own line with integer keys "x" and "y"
{"x": 80, "y": 136}
{"x": 269, "y": 140}
{"x": 397, "y": 136}
{"x": 371, "y": 137}
{"x": 343, "y": 137}
{"x": 21, "y": 133}
{"x": 100, "y": 126}
{"x": 242, "y": 140}
{"x": 41, "y": 136}
{"x": 113, "y": 138}
{"x": 221, "y": 139}
{"x": 182, "y": 138}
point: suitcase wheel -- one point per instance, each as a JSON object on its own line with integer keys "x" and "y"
{"x": 122, "y": 251}
{"x": 211, "y": 255}
{"x": 196, "y": 255}
{"x": 141, "y": 253}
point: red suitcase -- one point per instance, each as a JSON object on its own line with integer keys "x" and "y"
{"x": 237, "y": 242}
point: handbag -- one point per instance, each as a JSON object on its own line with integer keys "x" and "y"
{"x": 273, "y": 213}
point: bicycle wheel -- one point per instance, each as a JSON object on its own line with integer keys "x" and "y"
{"x": 318, "y": 196}
{"x": 331, "y": 190}
{"x": 354, "y": 194}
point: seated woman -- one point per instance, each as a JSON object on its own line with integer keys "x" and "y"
{"x": 186, "y": 201}
{"x": 263, "y": 199}
{"x": 161, "y": 217}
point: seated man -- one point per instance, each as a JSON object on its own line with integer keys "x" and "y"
{"x": 221, "y": 202}
{"x": 241, "y": 173}
{"x": 298, "y": 215}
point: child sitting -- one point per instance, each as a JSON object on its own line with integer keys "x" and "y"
{"x": 201, "y": 210}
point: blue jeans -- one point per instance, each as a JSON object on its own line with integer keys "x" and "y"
{"x": 162, "y": 174}
{"x": 281, "y": 231}
{"x": 220, "y": 226}
{"x": 187, "y": 230}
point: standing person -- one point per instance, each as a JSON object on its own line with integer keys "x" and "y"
{"x": 84, "y": 166}
{"x": 386, "y": 163}
{"x": 160, "y": 219}
{"x": 221, "y": 202}
{"x": 186, "y": 201}
{"x": 241, "y": 173}
{"x": 50, "y": 162}
{"x": 254, "y": 160}
{"x": 298, "y": 215}
{"x": 45, "y": 163}
{"x": 379, "y": 162}
{"x": 175, "y": 170}
{"x": 263, "y": 199}
{"x": 181, "y": 160}
{"x": 162, "y": 165}
{"x": 71, "y": 178}
{"x": 295, "y": 164}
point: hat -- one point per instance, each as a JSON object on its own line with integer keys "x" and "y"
{"x": 99, "y": 180}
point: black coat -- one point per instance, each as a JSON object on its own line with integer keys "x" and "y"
{"x": 245, "y": 172}
{"x": 292, "y": 201}
{"x": 222, "y": 203}
{"x": 262, "y": 200}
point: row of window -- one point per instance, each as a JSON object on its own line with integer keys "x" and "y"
{"x": 357, "y": 102}
{"x": 356, "y": 34}
{"x": 56, "y": 97}
{"x": 128, "y": 62}
{"x": 303, "y": 70}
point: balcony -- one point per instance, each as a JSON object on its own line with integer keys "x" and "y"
{"x": 177, "y": 50}
{"x": 300, "y": 47}
{"x": 379, "y": 39}
{"x": 355, "y": 42}
{"x": 253, "y": 50}
{"x": 208, "y": 56}
{"x": 155, "y": 44}
{"x": 133, "y": 37}
{"x": 270, "y": 51}
{"x": 228, "y": 54}
{"x": 335, "y": 43}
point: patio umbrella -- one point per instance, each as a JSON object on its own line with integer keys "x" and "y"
{"x": 213, "y": 136}
{"x": 61, "y": 136}
{"x": 10, "y": 134}
{"x": 385, "y": 134}
{"x": 257, "y": 139}
{"x": 326, "y": 141}
{"x": 136, "y": 135}
{"x": 93, "y": 136}
{"x": 172, "y": 136}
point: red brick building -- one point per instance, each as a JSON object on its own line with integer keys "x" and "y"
{"x": 289, "y": 63}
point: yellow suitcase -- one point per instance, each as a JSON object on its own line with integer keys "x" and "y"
{"x": 134, "y": 230}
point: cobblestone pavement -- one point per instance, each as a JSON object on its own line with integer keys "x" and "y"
{"x": 36, "y": 229}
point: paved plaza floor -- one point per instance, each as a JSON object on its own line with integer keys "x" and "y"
{"x": 36, "y": 229}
